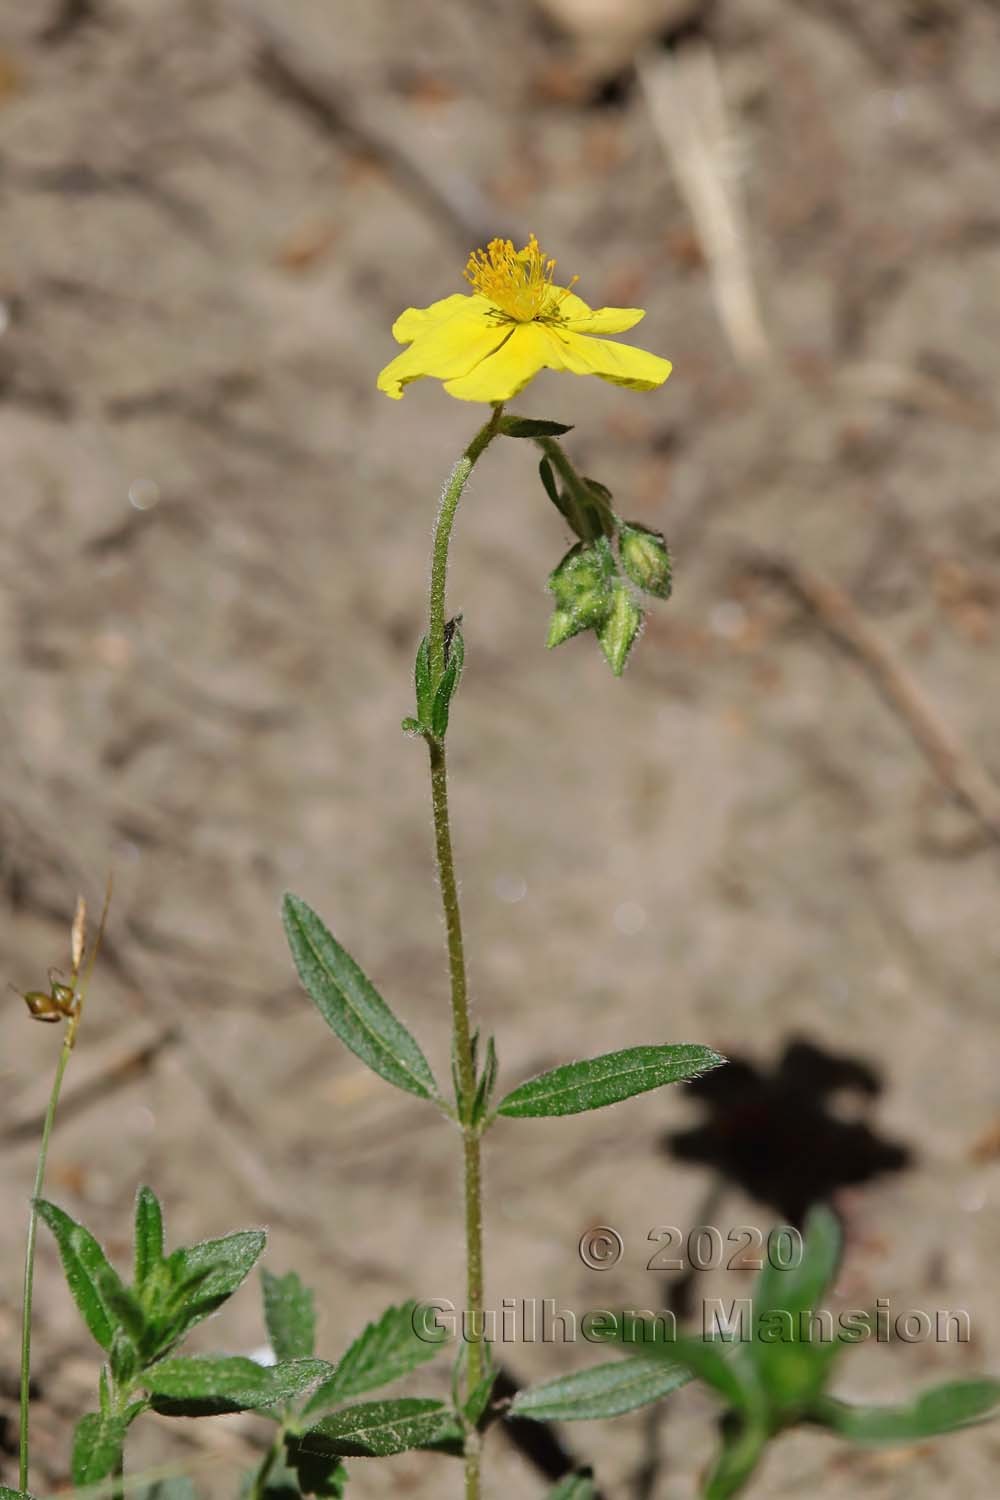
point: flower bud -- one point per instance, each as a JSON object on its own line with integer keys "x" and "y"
{"x": 587, "y": 568}
{"x": 581, "y": 585}
{"x": 646, "y": 559}
{"x": 620, "y": 629}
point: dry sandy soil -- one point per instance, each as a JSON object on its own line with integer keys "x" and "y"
{"x": 215, "y": 534}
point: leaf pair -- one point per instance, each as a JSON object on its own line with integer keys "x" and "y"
{"x": 323, "y": 1429}
{"x": 434, "y": 694}
{"x": 357, "y": 1014}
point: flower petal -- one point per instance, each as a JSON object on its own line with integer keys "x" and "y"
{"x": 417, "y": 320}
{"x": 619, "y": 363}
{"x": 599, "y": 320}
{"x": 507, "y": 370}
{"x": 446, "y": 347}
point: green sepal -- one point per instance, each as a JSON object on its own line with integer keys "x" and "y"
{"x": 646, "y": 559}
{"x": 620, "y": 628}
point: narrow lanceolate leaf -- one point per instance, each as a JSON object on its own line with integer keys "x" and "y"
{"x": 574, "y": 1487}
{"x": 351, "y": 1006}
{"x": 376, "y": 1429}
{"x": 204, "y": 1386}
{"x": 386, "y": 1350}
{"x": 714, "y": 1361}
{"x": 89, "y": 1274}
{"x": 532, "y": 427}
{"x": 605, "y": 1391}
{"x": 605, "y": 1080}
{"x": 148, "y": 1235}
{"x": 97, "y": 1448}
{"x": 803, "y": 1287}
{"x": 290, "y": 1315}
{"x": 946, "y": 1408}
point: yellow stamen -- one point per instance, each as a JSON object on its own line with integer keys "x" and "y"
{"x": 519, "y": 282}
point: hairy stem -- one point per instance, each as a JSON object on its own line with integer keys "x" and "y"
{"x": 29, "y": 1254}
{"x": 465, "y": 1067}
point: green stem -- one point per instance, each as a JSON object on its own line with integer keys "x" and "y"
{"x": 29, "y": 1255}
{"x": 587, "y": 512}
{"x": 465, "y": 1067}
{"x": 267, "y": 1464}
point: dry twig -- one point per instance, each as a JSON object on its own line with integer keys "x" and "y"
{"x": 954, "y": 766}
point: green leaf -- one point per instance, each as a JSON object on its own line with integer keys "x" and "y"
{"x": 448, "y": 686}
{"x": 385, "y": 1351}
{"x": 98, "y": 1444}
{"x": 574, "y": 1487}
{"x": 351, "y": 1006}
{"x": 148, "y": 1235}
{"x": 802, "y": 1288}
{"x": 713, "y": 1361}
{"x": 944, "y": 1408}
{"x": 205, "y": 1385}
{"x": 412, "y": 726}
{"x": 207, "y": 1274}
{"x": 532, "y": 427}
{"x": 290, "y": 1315}
{"x": 422, "y": 683}
{"x": 89, "y": 1274}
{"x": 574, "y": 1087}
{"x": 549, "y": 483}
{"x": 6, "y": 1494}
{"x": 376, "y": 1429}
{"x": 479, "y": 1398}
{"x": 486, "y": 1084}
{"x": 603, "y": 1391}
{"x": 793, "y": 1358}
{"x": 124, "y": 1360}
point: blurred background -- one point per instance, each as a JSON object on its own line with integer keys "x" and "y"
{"x": 783, "y": 823}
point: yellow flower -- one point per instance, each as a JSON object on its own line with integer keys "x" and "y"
{"x": 487, "y": 346}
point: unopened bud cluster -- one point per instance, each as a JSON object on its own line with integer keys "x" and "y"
{"x": 591, "y": 594}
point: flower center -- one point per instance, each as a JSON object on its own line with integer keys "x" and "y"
{"x": 519, "y": 282}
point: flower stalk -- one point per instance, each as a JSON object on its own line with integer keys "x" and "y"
{"x": 462, "y": 1044}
